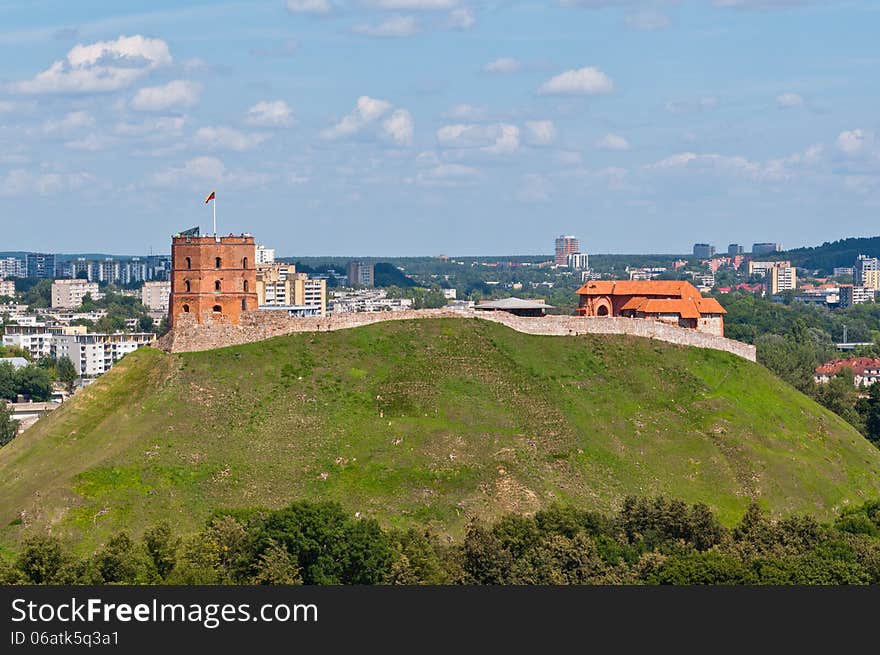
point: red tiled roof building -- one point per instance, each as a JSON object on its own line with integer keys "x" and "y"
{"x": 673, "y": 302}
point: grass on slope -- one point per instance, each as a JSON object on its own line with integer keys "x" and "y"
{"x": 426, "y": 422}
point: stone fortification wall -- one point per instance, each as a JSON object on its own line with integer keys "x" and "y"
{"x": 188, "y": 336}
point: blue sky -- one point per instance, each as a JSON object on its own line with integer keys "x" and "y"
{"x": 419, "y": 127}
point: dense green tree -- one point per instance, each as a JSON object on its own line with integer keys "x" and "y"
{"x": 34, "y": 383}
{"x": 161, "y": 545}
{"x": 276, "y": 566}
{"x": 44, "y": 561}
{"x": 66, "y": 372}
{"x": 8, "y": 425}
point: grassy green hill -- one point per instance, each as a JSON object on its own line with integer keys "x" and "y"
{"x": 428, "y": 422}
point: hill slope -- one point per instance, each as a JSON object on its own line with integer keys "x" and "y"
{"x": 428, "y": 421}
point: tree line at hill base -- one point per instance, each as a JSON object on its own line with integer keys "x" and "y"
{"x": 648, "y": 541}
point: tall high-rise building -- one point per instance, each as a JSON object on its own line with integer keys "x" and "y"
{"x": 782, "y": 278}
{"x": 703, "y": 250}
{"x": 40, "y": 265}
{"x": 866, "y": 272}
{"x": 212, "y": 278}
{"x": 13, "y": 267}
{"x": 764, "y": 248}
{"x": 566, "y": 245}
{"x": 360, "y": 274}
{"x": 735, "y": 249}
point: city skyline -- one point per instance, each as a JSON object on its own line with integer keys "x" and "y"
{"x": 389, "y": 128}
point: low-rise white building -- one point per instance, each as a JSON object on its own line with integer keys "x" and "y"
{"x": 94, "y": 354}
{"x": 7, "y": 288}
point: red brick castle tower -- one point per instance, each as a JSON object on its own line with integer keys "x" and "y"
{"x": 212, "y": 278}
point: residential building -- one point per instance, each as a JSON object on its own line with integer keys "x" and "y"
{"x": 450, "y": 294}
{"x": 36, "y": 339}
{"x": 366, "y": 300}
{"x": 843, "y": 271}
{"x": 866, "y": 272}
{"x": 853, "y": 295}
{"x": 764, "y": 248}
{"x": 155, "y": 295}
{"x": 782, "y": 278}
{"x": 565, "y": 245}
{"x": 703, "y": 250}
{"x": 705, "y": 281}
{"x": 735, "y": 249}
{"x": 265, "y": 255}
{"x": 69, "y": 294}
{"x": 13, "y": 267}
{"x": 308, "y": 292}
{"x": 865, "y": 370}
{"x": 7, "y": 288}
{"x": 40, "y": 265}
{"x": 279, "y": 285}
{"x": 672, "y": 302}
{"x": 578, "y": 261}
{"x": 94, "y": 354}
{"x": 360, "y": 274}
{"x": 212, "y": 277}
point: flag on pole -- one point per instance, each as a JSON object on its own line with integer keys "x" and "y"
{"x": 209, "y": 198}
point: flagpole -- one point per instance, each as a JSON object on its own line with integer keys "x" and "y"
{"x": 215, "y": 214}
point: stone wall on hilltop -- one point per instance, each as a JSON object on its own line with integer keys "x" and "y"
{"x": 189, "y": 336}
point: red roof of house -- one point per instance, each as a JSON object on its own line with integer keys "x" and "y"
{"x": 858, "y": 365}
{"x": 668, "y": 288}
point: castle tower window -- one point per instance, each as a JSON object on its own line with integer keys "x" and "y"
{"x": 217, "y": 309}
{"x": 217, "y": 262}
{"x": 186, "y": 285}
{"x": 186, "y": 309}
{"x": 188, "y": 263}
{"x": 243, "y": 304}
{"x": 246, "y": 286}
{"x": 216, "y": 285}
{"x": 244, "y": 262}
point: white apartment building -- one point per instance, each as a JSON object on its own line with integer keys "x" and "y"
{"x": 12, "y": 267}
{"x": 265, "y": 255}
{"x": 94, "y": 354}
{"x": 34, "y": 338}
{"x": 7, "y": 288}
{"x": 154, "y": 295}
{"x": 578, "y": 261}
{"x": 69, "y": 294}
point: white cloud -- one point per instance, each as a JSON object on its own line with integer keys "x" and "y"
{"x": 460, "y": 19}
{"x": 399, "y": 127}
{"x": 503, "y": 65}
{"x": 91, "y": 143}
{"x": 72, "y": 123}
{"x": 99, "y": 67}
{"x": 227, "y": 138}
{"x": 497, "y": 139}
{"x": 6, "y": 106}
{"x": 708, "y": 161}
{"x": 533, "y": 187}
{"x": 612, "y": 142}
{"x": 365, "y": 112}
{"x": 412, "y": 5}
{"x": 309, "y": 7}
{"x": 446, "y": 175}
{"x": 541, "y": 132}
{"x": 705, "y": 103}
{"x": 647, "y": 20}
{"x": 195, "y": 65}
{"x": 177, "y": 93}
{"x": 266, "y": 113}
{"x": 467, "y": 112}
{"x": 209, "y": 170}
{"x": 788, "y": 100}
{"x": 394, "y": 27}
{"x": 21, "y": 182}
{"x": 161, "y": 127}
{"x": 855, "y": 142}
{"x": 582, "y": 81}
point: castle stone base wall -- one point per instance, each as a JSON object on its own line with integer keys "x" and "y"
{"x": 189, "y": 336}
